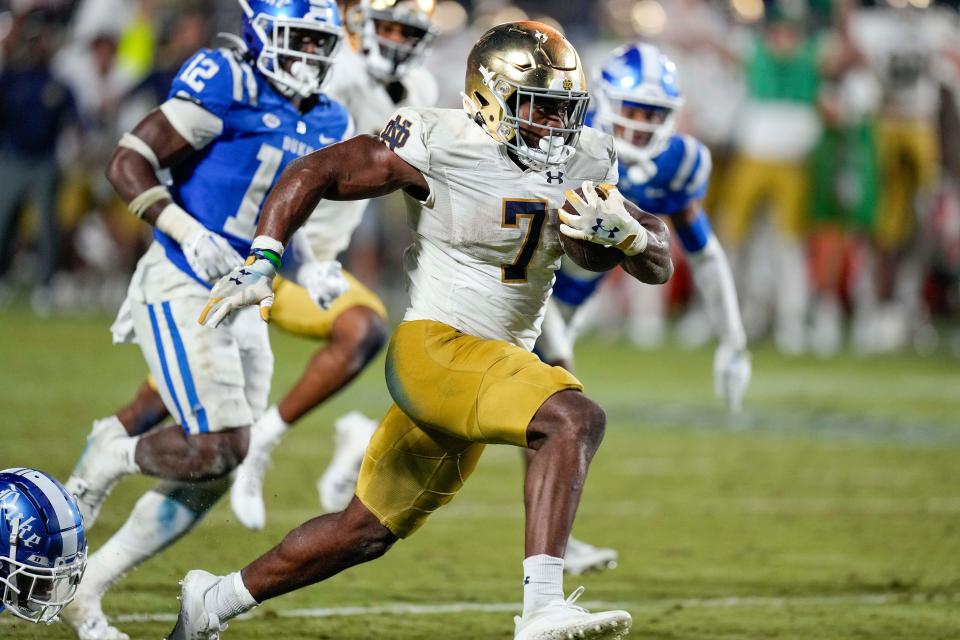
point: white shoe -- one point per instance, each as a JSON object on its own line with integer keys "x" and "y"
{"x": 563, "y": 620}
{"x": 194, "y": 621}
{"x": 581, "y": 557}
{"x": 100, "y": 466}
{"x": 338, "y": 483}
{"x": 85, "y": 616}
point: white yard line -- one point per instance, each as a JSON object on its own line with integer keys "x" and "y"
{"x": 514, "y": 607}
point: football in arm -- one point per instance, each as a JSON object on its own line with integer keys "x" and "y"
{"x": 590, "y": 255}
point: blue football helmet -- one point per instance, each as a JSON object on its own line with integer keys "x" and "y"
{"x": 292, "y": 41}
{"x": 638, "y": 76}
{"x": 43, "y": 550}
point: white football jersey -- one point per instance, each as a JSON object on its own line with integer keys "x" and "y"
{"x": 367, "y": 99}
{"x": 486, "y": 240}
{"x": 332, "y": 223}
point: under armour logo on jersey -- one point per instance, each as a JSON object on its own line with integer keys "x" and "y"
{"x": 612, "y": 233}
{"x": 396, "y": 133}
{"x": 558, "y": 177}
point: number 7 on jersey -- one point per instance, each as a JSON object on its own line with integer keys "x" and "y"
{"x": 513, "y": 211}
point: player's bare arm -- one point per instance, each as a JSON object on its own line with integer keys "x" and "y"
{"x": 154, "y": 144}
{"x": 356, "y": 169}
{"x": 654, "y": 265}
{"x": 131, "y": 171}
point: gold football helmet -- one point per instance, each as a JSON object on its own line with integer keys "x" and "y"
{"x": 521, "y": 62}
{"x": 388, "y": 59}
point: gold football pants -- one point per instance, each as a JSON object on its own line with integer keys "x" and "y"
{"x": 453, "y": 393}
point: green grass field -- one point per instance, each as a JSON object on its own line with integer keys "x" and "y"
{"x": 829, "y": 509}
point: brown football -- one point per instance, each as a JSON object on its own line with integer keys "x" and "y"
{"x": 590, "y": 255}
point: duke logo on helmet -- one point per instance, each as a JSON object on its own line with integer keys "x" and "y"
{"x": 43, "y": 549}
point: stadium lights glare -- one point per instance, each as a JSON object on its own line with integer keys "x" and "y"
{"x": 747, "y": 10}
{"x": 649, "y": 18}
{"x": 450, "y": 17}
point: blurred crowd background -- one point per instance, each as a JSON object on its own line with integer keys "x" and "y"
{"x": 833, "y": 126}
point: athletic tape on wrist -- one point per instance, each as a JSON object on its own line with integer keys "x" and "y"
{"x": 177, "y": 223}
{"x": 139, "y": 205}
{"x": 636, "y": 246}
{"x": 138, "y": 146}
{"x": 266, "y": 242}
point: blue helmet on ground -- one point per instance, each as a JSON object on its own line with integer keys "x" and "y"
{"x": 637, "y": 100}
{"x": 293, "y": 42}
{"x": 43, "y": 549}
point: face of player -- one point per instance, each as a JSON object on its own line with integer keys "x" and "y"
{"x": 641, "y": 114}
{"x": 397, "y": 32}
{"x": 310, "y": 42}
{"x": 546, "y": 112}
{"x": 397, "y": 40}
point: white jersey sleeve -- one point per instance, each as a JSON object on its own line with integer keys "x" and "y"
{"x": 406, "y": 134}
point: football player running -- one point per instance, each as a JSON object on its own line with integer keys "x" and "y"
{"x": 234, "y": 120}
{"x": 377, "y": 74}
{"x": 459, "y": 367}
{"x": 667, "y": 174}
{"x": 43, "y": 548}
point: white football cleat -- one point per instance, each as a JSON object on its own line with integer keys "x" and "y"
{"x": 85, "y": 616}
{"x": 339, "y": 482}
{"x": 581, "y": 557}
{"x": 563, "y": 620}
{"x": 100, "y": 466}
{"x": 194, "y": 621}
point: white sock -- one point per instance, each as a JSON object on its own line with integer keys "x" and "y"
{"x": 268, "y": 430}
{"x": 542, "y": 582}
{"x": 156, "y": 521}
{"x": 123, "y": 445}
{"x": 229, "y": 597}
{"x": 127, "y": 450}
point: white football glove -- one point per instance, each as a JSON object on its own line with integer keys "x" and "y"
{"x": 323, "y": 281}
{"x": 210, "y": 255}
{"x": 605, "y": 222}
{"x": 250, "y": 283}
{"x": 731, "y": 374}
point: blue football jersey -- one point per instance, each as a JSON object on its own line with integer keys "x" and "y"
{"x": 225, "y": 184}
{"x": 669, "y": 181}
{"x": 663, "y": 185}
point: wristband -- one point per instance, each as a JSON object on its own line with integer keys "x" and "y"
{"x": 139, "y": 205}
{"x": 267, "y": 248}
